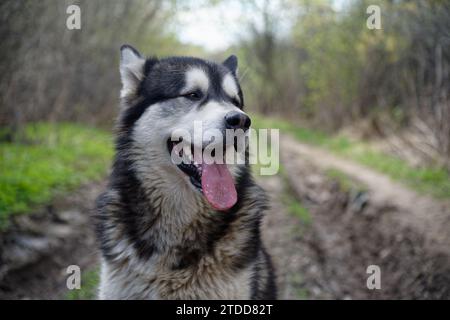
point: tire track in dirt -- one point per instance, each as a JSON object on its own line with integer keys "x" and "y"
{"x": 38, "y": 247}
{"x": 281, "y": 236}
{"x": 404, "y": 233}
{"x": 424, "y": 213}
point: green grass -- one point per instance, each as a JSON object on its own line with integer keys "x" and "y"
{"x": 293, "y": 205}
{"x": 346, "y": 183}
{"x": 430, "y": 180}
{"x": 48, "y": 160}
{"x": 89, "y": 285}
{"x": 297, "y": 209}
{"x": 301, "y": 292}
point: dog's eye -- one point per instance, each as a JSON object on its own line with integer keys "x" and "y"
{"x": 194, "y": 96}
{"x": 236, "y": 102}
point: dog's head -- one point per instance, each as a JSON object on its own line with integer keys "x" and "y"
{"x": 180, "y": 114}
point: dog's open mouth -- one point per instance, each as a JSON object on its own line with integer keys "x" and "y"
{"x": 214, "y": 180}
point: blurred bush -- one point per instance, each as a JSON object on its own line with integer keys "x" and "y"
{"x": 48, "y": 72}
{"x": 308, "y": 60}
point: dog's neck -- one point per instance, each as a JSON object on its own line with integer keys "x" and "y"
{"x": 177, "y": 205}
{"x": 164, "y": 204}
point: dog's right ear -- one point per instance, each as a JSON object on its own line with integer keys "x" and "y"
{"x": 131, "y": 69}
{"x": 231, "y": 63}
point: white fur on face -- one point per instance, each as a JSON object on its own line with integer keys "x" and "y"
{"x": 153, "y": 162}
{"x": 212, "y": 115}
{"x": 230, "y": 87}
{"x": 196, "y": 78}
{"x": 153, "y": 129}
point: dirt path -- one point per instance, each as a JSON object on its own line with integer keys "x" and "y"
{"x": 281, "y": 236}
{"x": 426, "y": 214}
{"x": 384, "y": 224}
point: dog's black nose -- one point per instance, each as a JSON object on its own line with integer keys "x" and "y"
{"x": 237, "y": 120}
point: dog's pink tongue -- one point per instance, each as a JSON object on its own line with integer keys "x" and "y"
{"x": 218, "y": 186}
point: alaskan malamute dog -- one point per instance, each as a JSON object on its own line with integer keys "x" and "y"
{"x": 186, "y": 231}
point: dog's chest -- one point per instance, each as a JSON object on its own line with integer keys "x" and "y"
{"x": 156, "y": 282}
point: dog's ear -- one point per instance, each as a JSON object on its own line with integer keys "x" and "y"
{"x": 131, "y": 69}
{"x": 231, "y": 63}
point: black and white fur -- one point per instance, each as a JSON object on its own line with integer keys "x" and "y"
{"x": 159, "y": 237}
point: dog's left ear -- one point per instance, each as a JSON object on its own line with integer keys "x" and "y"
{"x": 231, "y": 63}
{"x": 132, "y": 66}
